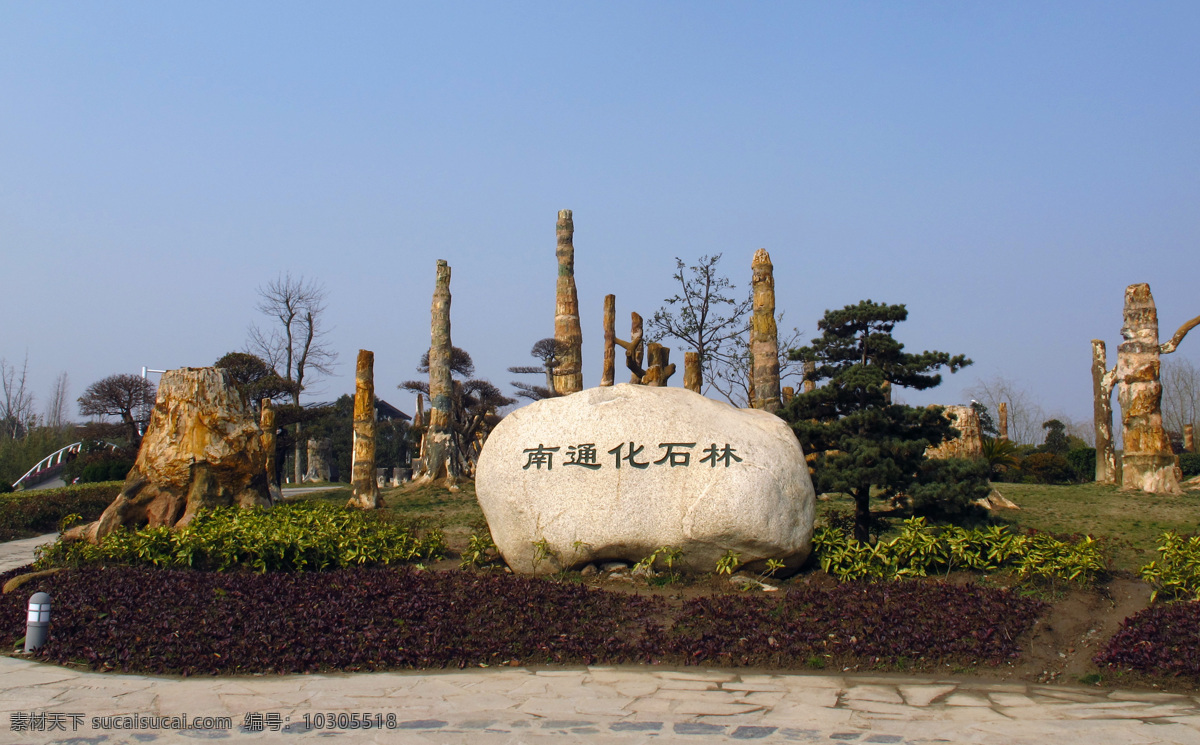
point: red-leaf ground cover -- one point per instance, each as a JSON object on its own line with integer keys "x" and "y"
{"x": 1160, "y": 640}
{"x": 165, "y": 621}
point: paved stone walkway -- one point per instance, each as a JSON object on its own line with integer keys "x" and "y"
{"x": 47, "y": 704}
{"x": 15, "y": 554}
{"x": 600, "y": 705}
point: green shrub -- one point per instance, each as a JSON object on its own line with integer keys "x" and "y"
{"x": 28, "y": 513}
{"x": 305, "y": 536}
{"x": 1176, "y": 573}
{"x": 1083, "y": 462}
{"x": 920, "y": 550}
{"x": 948, "y": 489}
{"x": 1048, "y": 468}
{"x": 1189, "y": 463}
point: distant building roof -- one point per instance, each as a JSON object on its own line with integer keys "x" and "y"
{"x": 383, "y": 410}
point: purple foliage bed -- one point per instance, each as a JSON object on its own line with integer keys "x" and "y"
{"x": 1160, "y": 640}
{"x": 157, "y": 621}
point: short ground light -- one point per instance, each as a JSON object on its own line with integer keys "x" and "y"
{"x": 37, "y": 628}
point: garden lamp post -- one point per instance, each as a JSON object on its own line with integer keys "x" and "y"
{"x": 37, "y": 626}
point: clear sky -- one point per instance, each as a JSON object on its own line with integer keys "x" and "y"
{"x": 1004, "y": 169}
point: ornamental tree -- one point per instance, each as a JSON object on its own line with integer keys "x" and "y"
{"x": 862, "y": 442}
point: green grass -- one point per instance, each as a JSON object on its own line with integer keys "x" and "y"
{"x": 457, "y": 514}
{"x": 1128, "y": 524}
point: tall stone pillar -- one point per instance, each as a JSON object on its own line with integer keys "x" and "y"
{"x": 1002, "y": 415}
{"x": 788, "y": 393}
{"x": 764, "y": 339}
{"x": 1147, "y": 462}
{"x": 362, "y": 468}
{"x": 267, "y": 423}
{"x": 1189, "y": 438}
{"x": 692, "y": 379}
{"x": 1102, "y": 414}
{"x": 438, "y": 461}
{"x": 608, "y": 376}
{"x": 568, "y": 376}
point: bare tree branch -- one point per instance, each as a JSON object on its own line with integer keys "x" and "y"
{"x": 17, "y": 404}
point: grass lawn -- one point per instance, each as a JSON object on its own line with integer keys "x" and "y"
{"x": 1128, "y": 523}
{"x": 457, "y": 514}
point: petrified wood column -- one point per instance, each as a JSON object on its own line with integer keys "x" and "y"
{"x": 608, "y": 376}
{"x": 1102, "y": 385}
{"x": 362, "y": 469}
{"x": 692, "y": 379}
{"x": 437, "y": 461}
{"x": 568, "y": 376}
{"x": 1002, "y": 414}
{"x": 810, "y": 371}
{"x": 658, "y": 367}
{"x": 764, "y": 339}
{"x": 1147, "y": 462}
{"x": 787, "y": 394}
{"x": 320, "y": 453}
{"x": 1189, "y": 438}
{"x": 634, "y": 349}
{"x": 266, "y": 422}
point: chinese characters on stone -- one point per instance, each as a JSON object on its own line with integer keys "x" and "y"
{"x": 632, "y": 455}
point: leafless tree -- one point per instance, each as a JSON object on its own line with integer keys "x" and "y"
{"x": 130, "y": 397}
{"x": 1025, "y": 416}
{"x": 294, "y": 343}
{"x": 56, "y": 407}
{"x": 16, "y": 404}
{"x": 1181, "y": 394}
{"x": 731, "y": 372}
{"x": 702, "y": 316}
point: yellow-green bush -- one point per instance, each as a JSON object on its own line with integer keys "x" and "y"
{"x": 920, "y": 550}
{"x": 1176, "y": 573}
{"x": 305, "y": 536}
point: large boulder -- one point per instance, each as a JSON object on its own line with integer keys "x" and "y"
{"x": 202, "y": 448}
{"x": 615, "y": 473}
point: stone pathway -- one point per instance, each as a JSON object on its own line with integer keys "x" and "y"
{"x": 599, "y": 705}
{"x": 47, "y": 704}
{"x": 15, "y": 554}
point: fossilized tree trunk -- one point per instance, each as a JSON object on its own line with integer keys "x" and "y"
{"x": 1102, "y": 385}
{"x": 692, "y": 378}
{"x": 267, "y": 423}
{"x": 320, "y": 453}
{"x": 1189, "y": 438}
{"x": 809, "y": 384}
{"x": 438, "y": 461}
{"x": 764, "y": 339}
{"x": 568, "y": 376}
{"x": 634, "y": 349}
{"x": 1147, "y": 462}
{"x": 203, "y": 448}
{"x": 968, "y": 443}
{"x": 787, "y": 393}
{"x": 1002, "y": 415}
{"x": 609, "y": 374}
{"x": 658, "y": 367}
{"x": 362, "y": 468}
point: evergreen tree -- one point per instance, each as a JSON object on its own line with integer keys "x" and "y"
{"x": 1056, "y": 438}
{"x": 862, "y": 441}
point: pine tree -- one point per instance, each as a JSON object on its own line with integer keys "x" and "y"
{"x": 862, "y": 441}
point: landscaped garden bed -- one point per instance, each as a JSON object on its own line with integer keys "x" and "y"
{"x": 995, "y": 617}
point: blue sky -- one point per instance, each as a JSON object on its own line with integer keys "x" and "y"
{"x": 1004, "y": 169}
